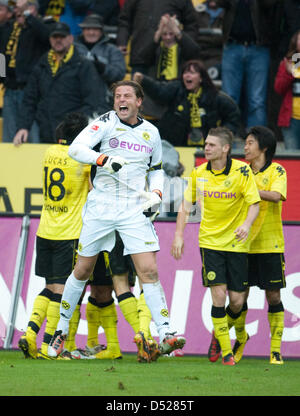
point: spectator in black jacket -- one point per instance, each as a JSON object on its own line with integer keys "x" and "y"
{"x": 139, "y": 20}
{"x": 95, "y": 46}
{"x": 165, "y": 55}
{"x": 194, "y": 106}
{"x": 23, "y": 40}
{"x": 169, "y": 49}
{"x": 62, "y": 82}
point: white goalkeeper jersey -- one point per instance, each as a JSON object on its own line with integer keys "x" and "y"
{"x": 139, "y": 144}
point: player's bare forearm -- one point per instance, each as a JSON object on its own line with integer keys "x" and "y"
{"x": 242, "y": 232}
{"x": 271, "y": 196}
{"x": 182, "y": 218}
{"x": 253, "y": 212}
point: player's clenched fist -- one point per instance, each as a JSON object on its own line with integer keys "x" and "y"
{"x": 111, "y": 163}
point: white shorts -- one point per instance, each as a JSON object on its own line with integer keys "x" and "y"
{"x": 101, "y": 220}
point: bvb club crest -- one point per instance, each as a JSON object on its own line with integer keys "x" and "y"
{"x": 146, "y": 136}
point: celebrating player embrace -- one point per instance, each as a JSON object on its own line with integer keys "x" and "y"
{"x": 126, "y": 150}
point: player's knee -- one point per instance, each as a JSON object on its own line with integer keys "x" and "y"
{"x": 148, "y": 275}
{"x": 236, "y": 306}
{"x": 218, "y": 294}
{"x": 83, "y": 272}
{"x": 273, "y": 297}
{"x": 236, "y": 303}
{"x": 84, "y": 267}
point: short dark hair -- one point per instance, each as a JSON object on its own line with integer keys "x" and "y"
{"x": 72, "y": 124}
{"x": 266, "y": 140}
{"x": 224, "y": 134}
{"x": 135, "y": 85}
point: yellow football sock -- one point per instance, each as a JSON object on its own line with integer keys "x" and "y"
{"x": 70, "y": 343}
{"x": 109, "y": 319}
{"x": 128, "y": 305}
{"x": 230, "y": 321}
{"x": 238, "y": 321}
{"x": 38, "y": 313}
{"x": 144, "y": 316}
{"x": 220, "y": 323}
{"x": 240, "y": 326}
{"x": 52, "y": 321}
{"x": 93, "y": 320}
{"x": 276, "y": 321}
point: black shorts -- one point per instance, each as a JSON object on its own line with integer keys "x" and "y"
{"x": 120, "y": 264}
{"x": 266, "y": 270}
{"x": 224, "y": 267}
{"x": 55, "y": 259}
{"x": 102, "y": 272}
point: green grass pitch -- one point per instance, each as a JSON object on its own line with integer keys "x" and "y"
{"x": 169, "y": 376}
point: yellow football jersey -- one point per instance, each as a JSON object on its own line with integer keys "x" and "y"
{"x": 65, "y": 189}
{"x": 267, "y": 235}
{"x": 224, "y": 199}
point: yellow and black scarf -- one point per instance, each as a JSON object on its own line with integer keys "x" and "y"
{"x": 54, "y": 63}
{"x": 167, "y": 67}
{"x": 195, "y": 137}
{"x": 12, "y": 44}
{"x": 195, "y": 114}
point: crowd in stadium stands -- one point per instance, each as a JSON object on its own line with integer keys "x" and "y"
{"x": 63, "y": 55}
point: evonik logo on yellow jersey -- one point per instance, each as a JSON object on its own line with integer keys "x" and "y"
{"x": 217, "y": 194}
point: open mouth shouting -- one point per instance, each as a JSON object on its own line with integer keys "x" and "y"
{"x": 191, "y": 84}
{"x": 123, "y": 109}
{"x": 188, "y": 82}
{"x": 192, "y": 80}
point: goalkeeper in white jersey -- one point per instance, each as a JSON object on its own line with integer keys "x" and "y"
{"x": 127, "y": 151}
